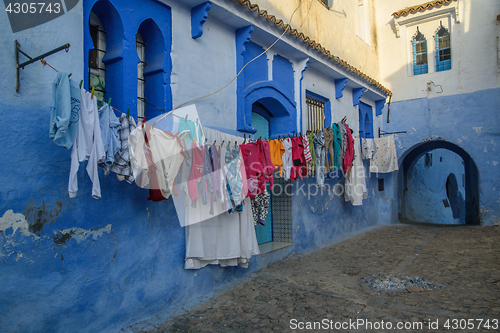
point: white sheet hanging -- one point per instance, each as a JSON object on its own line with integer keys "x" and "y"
{"x": 223, "y": 239}
{"x": 386, "y": 159}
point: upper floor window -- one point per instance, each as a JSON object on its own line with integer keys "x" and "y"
{"x": 315, "y": 114}
{"x": 420, "y": 65}
{"x": 362, "y": 21}
{"x": 443, "y": 50}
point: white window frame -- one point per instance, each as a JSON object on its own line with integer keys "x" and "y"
{"x": 427, "y": 22}
{"x": 362, "y": 20}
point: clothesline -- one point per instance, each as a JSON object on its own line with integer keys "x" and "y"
{"x": 44, "y": 62}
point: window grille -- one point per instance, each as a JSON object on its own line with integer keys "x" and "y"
{"x": 420, "y": 65}
{"x": 443, "y": 50}
{"x": 141, "y": 82}
{"x": 97, "y": 69}
{"x": 315, "y": 114}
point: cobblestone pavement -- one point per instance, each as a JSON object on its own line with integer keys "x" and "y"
{"x": 327, "y": 287}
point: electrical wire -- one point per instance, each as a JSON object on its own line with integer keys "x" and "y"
{"x": 232, "y": 80}
{"x": 248, "y": 63}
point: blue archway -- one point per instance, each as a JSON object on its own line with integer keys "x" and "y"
{"x": 413, "y": 154}
{"x": 280, "y": 109}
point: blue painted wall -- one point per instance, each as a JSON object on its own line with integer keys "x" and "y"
{"x": 276, "y": 95}
{"x": 468, "y": 120}
{"x": 319, "y": 218}
{"x": 101, "y": 265}
{"x": 283, "y": 73}
{"x": 426, "y": 189}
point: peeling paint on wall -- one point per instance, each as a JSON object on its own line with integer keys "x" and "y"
{"x": 79, "y": 234}
{"x": 14, "y": 221}
{"x": 38, "y": 217}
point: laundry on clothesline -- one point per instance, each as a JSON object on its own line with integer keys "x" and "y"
{"x": 386, "y": 159}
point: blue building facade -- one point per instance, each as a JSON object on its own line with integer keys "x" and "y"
{"x": 103, "y": 265}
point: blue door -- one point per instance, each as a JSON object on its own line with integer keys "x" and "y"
{"x": 264, "y": 233}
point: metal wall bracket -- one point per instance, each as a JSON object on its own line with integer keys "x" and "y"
{"x": 382, "y": 132}
{"x": 32, "y": 60}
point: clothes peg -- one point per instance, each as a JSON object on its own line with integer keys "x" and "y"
{"x": 228, "y": 144}
{"x": 245, "y": 138}
{"x": 81, "y": 84}
{"x": 128, "y": 112}
{"x": 186, "y": 118}
{"x": 69, "y": 75}
{"x": 92, "y": 95}
{"x": 109, "y": 101}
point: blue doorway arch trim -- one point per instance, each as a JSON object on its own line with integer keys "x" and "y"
{"x": 278, "y": 104}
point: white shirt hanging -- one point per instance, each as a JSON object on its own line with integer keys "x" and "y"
{"x": 88, "y": 146}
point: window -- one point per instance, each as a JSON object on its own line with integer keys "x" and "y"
{"x": 315, "y": 114}
{"x": 443, "y": 50}
{"x": 362, "y": 26}
{"x": 141, "y": 82}
{"x": 97, "y": 69}
{"x": 420, "y": 65}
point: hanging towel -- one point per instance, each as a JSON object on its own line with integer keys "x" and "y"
{"x": 386, "y": 159}
{"x": 121, "y": 165}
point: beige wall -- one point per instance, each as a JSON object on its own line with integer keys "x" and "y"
{"x": 333, "y": 28}
{"x": 475, "y": 50}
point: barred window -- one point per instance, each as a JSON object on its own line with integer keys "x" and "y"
{"x": 97, "y": 69}
{"x": 315, "y": 114}
{"x": 140, "y": 47}
{"x": 443, "y": 50}
{"x": 420, "y": 65}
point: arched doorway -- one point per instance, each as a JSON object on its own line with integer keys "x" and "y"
{"x": 440, "y": 174}
{"x": 435, "y": 188}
